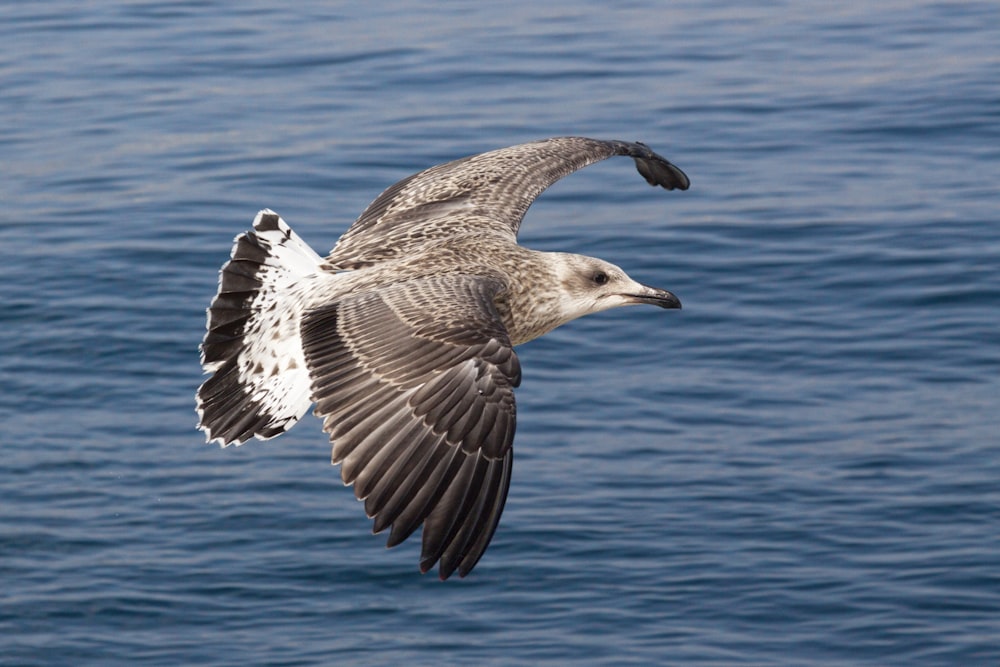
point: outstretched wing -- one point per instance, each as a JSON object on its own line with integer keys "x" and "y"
{"x": 415, "y": 386}
{"x": 490, "y": 192}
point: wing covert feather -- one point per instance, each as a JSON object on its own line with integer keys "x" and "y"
{"x": 485, "y": 193}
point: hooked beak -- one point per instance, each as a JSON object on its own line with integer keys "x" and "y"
{"x": 656, "y": 297}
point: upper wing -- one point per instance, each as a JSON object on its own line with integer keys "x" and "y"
{"x": 490, "y": 192}
{"x": 415, "y": 385}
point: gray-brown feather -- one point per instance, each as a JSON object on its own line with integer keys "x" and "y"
{"x": 486, "y": 192}
{"x": 414, "y": 383}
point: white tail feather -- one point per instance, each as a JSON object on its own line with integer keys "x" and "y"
{"x": 260, "y": 385}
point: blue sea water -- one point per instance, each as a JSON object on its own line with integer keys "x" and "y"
{"x": 802, "y": 467}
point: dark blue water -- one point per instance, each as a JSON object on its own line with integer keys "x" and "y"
{"x": 802, "y": 467}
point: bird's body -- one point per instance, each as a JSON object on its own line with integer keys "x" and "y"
{"x": 403, "y": 336}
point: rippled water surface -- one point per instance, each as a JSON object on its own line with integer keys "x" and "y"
{"x": 801, "y": 467}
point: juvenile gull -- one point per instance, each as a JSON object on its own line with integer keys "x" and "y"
{"x": 403, "y": 336}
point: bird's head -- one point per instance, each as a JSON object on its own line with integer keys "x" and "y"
{"x": 590, "y": 285}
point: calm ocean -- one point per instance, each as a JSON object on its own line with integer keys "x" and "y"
{"x": 802, "y": 467}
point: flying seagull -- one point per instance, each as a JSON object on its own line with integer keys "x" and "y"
{"x": 403, "y": 336}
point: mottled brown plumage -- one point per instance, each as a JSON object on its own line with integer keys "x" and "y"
{"x": 403, "y": 336}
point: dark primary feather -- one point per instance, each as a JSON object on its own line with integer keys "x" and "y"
{"x": 490, "y": 192}
{"x": 416, "y": 393}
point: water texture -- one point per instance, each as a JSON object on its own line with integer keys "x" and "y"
{"x": 799, "y": 468}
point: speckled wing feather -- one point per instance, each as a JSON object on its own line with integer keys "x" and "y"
{"x": 414, "y": 383}
{"x": 489, "y": 192}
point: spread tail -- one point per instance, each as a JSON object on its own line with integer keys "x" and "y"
{"x": 260, "y": 384}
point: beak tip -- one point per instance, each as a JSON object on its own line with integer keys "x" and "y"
{"x": 666, "y": 299}
{"x": 658, "y": 297}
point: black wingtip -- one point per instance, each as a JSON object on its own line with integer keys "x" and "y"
{"x": 656, "y": 169}
{"x": 663, "y": 173}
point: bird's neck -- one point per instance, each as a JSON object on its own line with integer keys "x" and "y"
{"x": 527, "y": 310}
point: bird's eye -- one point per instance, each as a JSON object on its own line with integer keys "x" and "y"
{"x": 600, "y": 278}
